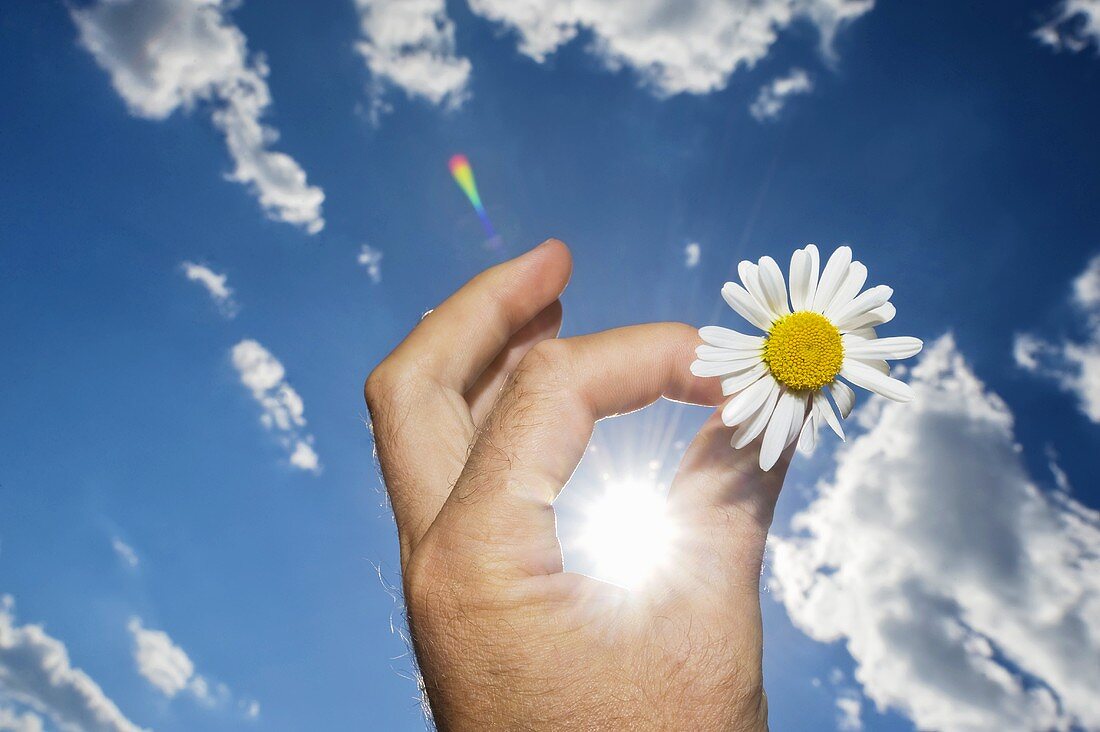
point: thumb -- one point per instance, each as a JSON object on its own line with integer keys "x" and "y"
{"x": 723, "y": 503}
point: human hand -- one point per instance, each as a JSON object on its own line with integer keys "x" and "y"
{"x": 480, "y": 416}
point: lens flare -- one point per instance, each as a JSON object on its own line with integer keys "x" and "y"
{"x": 628, "y": 533}
{"x": 464, "y": 176}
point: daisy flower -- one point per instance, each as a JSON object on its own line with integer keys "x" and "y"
{"x": 786, "y": 382}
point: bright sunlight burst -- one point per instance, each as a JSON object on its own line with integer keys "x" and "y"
{"x": 627, "y": 532}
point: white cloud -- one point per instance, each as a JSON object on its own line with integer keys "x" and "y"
{"x": 692, "y": 253}
{"x": 13, "y": 721}
{"x": 410, "y": 44}
{"x": 125, "y": 552}
{"x": 35, "y": 671}
{"x": 673, "y": 46}
{"x": 215, "y": 285}
{"x": 773, "y": 96}
{"x": 163, "y": 664}
{"x": 305, "y": 457}
{"x": 283, "y": 408}
{"x": 251, "y": 709}
{"x": 1027, "y": 351}
{"x": 968, "y": 598}
{"x": 164, "y": 55}
{"x": 1061, "y": 480}
{"x": 849, "y": 710}
{"x": 1086, "y": 289}
{"x": 371, "y": 259}
{"x": 1074, "y": 26}
{"x": 1073, "y": 364}
{"x": 170, "y": 670}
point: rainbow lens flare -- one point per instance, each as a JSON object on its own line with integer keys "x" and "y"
{"x": 464, "y": 176}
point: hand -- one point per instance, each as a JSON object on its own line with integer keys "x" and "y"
{"x": 480, "y": 416}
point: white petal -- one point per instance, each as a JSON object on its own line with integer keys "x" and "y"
{"x": 849, "y": 288}
{"x": 755, "y": 424}
{"x": 750, "y": 278}
{"x": 726, "y": 338}
{"x": 882, "y": 314}
{"x": 865, "y": 302}
{"x": 791, "y": 407}
{"x": 800, "y": 418}
{"x": 775, "y": 289}
{"x": 720, "y": 353}
{"x": 863, "y": 334}
{"x": 801, "y": 298}
{"x": 708, "y": 369}
{"x": 887, "y": 348}
{"x": 745, "y": 305}
{"x": 815, "y": 273}
{"x": 844, "y": 397}
{"x": 824, "y": 410}
{"x": 835, "y": 271}
{"x": 736, "y": 382}
{"x": 876, "y": 363}
{"x": 807, "y": 441}
{"x": 863, "y": 375}
{"x": 746, "y": 403}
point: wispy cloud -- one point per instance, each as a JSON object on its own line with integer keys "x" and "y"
{"x": 692, "y": 253}
{"x": 215, "y": 285}
{"x": 35, "y": 671}
{"x": 696, "y": 54}
{"x": 169, "y": 669}
{"x": 12, "y": 720}
{"x": 1074, "y": 26}
{"x": 125, "y": 552}
{"x": 1073, "y": 364}
{"x": 251, "y": 709}
{"x": 162, "y": 663}
{"x": 967, "y": 596}
{"x": 283, "y": 411}
{"x": 164, "y": 55}
{"x": 849, "y": 710}
{"x": 305, "y": 457}
{"x": 848, "y": 700}
{"x": 410, "y": 44}
{"x": 371, "y": 260}
{"x": 773, "y": 96}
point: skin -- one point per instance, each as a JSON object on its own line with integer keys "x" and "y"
{"x": 480, "y": 416}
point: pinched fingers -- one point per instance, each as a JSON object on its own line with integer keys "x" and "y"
{"x": 482, "y": 394}
{"x": 540, "y": 426}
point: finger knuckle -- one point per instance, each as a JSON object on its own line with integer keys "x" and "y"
{"x": 547, "y": 360}
{"x": 388, "y": 384}
{"x": 378, "y": 385}
{"x": 425, "y": 584}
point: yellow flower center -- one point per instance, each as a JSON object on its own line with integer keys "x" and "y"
{"x": 803, "y": 351}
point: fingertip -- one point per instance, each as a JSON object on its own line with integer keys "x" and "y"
{"x": 714, "y": 476}
{"x": 550, "y": 265}
{"x": 557, "y": 251}
{"x": 705, "y": 391}
{"x": 554, "y": 243}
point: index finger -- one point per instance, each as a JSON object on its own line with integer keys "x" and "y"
{"x": 457, "y": 340}
{"x": 420, "y": 415}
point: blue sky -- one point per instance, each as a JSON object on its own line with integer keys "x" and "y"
{"x": 952, "y": 145}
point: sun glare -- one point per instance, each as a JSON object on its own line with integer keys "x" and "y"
{"x": 627, "y": 532}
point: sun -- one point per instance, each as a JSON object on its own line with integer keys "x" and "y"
{"x": 627, "y": 532}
